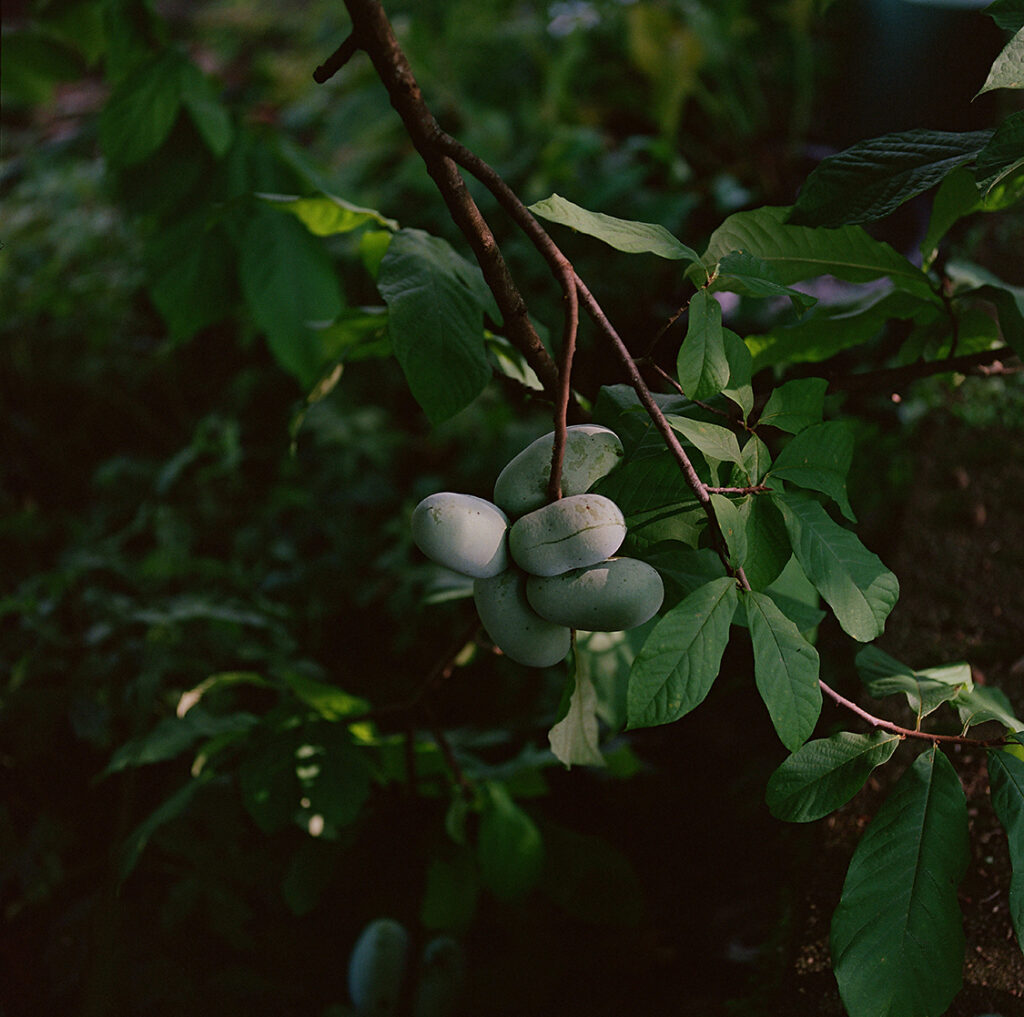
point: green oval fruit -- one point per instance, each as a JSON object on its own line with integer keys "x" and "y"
{"x": 568, "y": 534}
{"x": 376, "y": 968}
{"x": 616, "y": 594}
{"x": 517, "y": 630}
{"x": 462, "y": 532}
{"x": 591, "y": 451}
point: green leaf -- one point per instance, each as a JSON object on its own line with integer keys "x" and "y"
{"x": 623, "y": 235}
{"x": 732, "y": 523}
{"x": 1008, "y": 69}
{"x": 857, "y": 586}
{"x": 326, "y": 215}
{"x": 141, "y": 111}
{"x": 510, "y": 849}
{"x": 1006, "y": 780}
{"x": 795, "y": 405}
{"x": 1003, "y": 155}
{"x": 883, "y": 675}
{"x": 190, "y": 267}
{"x": 676, "y": 667}
{"x": 802, "y": 252}
{"x": 873, "y": 178}
{"x": 702, "y": 364}
{"x": 334, "y": 776}
{"x": 575, "y": 739}
{"x": 956, "y": 197}
{"x": 738, "y": 389}
{"x": 824, "y": 332}
{"x": 768, "y": 547}
{"x": 818, "y": 458}
{"x": 975, "y": 281}
{"x": 743, "y": 273}
{"x": 897, "y": 935}
{"x": 785, "y": 670}
{"x": 435, "y": 322}
{"x": 686, "y": 568}
{"x": 289, "y": 283}
{"x": 1007, "y": 14}
{"x": 825, "y": 774}
{"x": 328, "y": 701}
{"x": 208, "y": 113}
{"x": 796, "y": 596}
{"x": 756, "y": 461}
{"x": 716, "y": 442}
{"x": 981, "y": 703}
{"x": 452, "y": 890}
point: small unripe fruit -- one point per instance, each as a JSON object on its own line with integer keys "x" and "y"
{"x": 591, "y": 451}
{"x": 376, "y": 968}
{"x": 616, "y": 594}
{"x": 461, "y": 532}
{"x": 567, "y": 534}
{"x": 517, "y": 630}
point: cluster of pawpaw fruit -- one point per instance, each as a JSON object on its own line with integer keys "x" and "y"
{"x": 539, "y": 568}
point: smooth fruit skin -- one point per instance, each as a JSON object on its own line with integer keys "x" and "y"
{"x": 376, "y": 968}
{"x": 613, "y": 595}
{"x": 462, "y": 532}
{"x": 591, "y": 452}
{"x": 567, "y": 534}
{"x": 517, "y": 630}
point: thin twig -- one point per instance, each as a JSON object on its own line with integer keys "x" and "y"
{"x": 336, "y": 60}
{"x": 905, "y": 732}
{"x": 899, "y": 377}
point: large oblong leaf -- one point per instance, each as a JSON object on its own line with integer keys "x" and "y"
{"x": 872, "y": 178}
{"x": 819, "y": 458}
{"x": 622, "y": 234}
{"x": 825, "y": 774}
{"x": 858, "y": 587}
{"x": 702, "y": 364}
{"x": 897, "y": 935}
{"x": 435, "y": 322}
{"x": 715, "y": 441}
{"x": 1006, "y": 777}
{"x": 803, "y": 252}
{"x": 678, "y": 663}
{"x": 785, "y": 670}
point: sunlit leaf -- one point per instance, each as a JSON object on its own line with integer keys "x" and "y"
{"x": 325, "y": 215}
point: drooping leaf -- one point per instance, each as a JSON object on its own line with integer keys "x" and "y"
{"x": 623, "y": 235}
{"x": 873, "y": 178}
{"x": 1003, "y": 155}
{"x": 768, "y": 547}
{"x": 897, "y": 935}
{"x": 825, "y": 774}
{"x": 208, "y": 113}
{"x": 1008, "y": 69}
{"x": 289, "y": 283}
{"x": 803, "y": 252}
{"x": 974, "y": 281}
{"x": 435, "y": 322}
{"x": 925, "y": 690}
{"x": 818, "y": 458}
{"x": 676, "y": 667}
{"x": 857, "y": 586}
{"x": 732, "y": 524}
{"x": 795, "y": 405}
{"x": 510, "y": 849}
{"x": 956, "y": 197}
{"x": 574, "y": 739}
{"x": 1006, "y": 779}
{"x": 738, "y": 389}
{"x": 702, "y": 364}
{"x": 1007, "y": 14}
{"x": 141, "y": 111}
{"x": 715, "y": 441}
{"x": 743, "y": 273}
{"x": 981, "y": 703}
{"x": 785, "y": 670}
{"x": 325, "y": 215}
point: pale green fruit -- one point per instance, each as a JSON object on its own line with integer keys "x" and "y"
{"x": 591, "y": 451}
{"x": 517, "y": 630}
{"x": 376, "y": 968}
{"x": 567, "y": 534}
{"x": 616, "y": 594}
{"x": 462, "y": 532}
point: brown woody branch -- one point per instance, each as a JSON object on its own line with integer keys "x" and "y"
{"x": 986, "y": 362}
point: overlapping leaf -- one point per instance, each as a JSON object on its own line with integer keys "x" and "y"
{"x": 819, "y": 458}
{"x": 795, "y": 405}
{"x": 925, "y": 690}
{"x": 897, "y": 935}
{"x": 825, "y": 774}
{"x": 1006, "y": 778}
{"x": 702, "y": 364}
